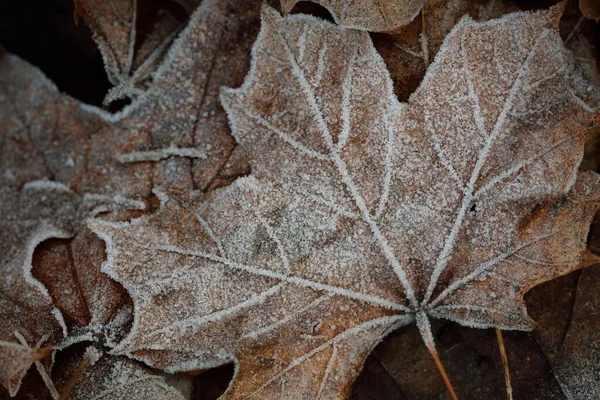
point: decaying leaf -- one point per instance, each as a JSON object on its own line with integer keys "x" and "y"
{"x": 383, "y": 15}
{"x": 367, "y": 213}
{"x": 81, "y": 161}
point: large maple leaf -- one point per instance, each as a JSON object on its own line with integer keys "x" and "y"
{"x": 368, "y": 213}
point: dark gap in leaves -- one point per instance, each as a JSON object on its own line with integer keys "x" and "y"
{"x": 593, "y": 239}
{"x": 211, "y": 384}
{"x": 118, "y": 105}
{"x": 316, "y": 10}
{"x": 533, "y": 5}
{"x": 591, "y": 155}
{"x": 550, "y": 305}
{"x": 44, "y": 33}
{"x": 147, "y": 14}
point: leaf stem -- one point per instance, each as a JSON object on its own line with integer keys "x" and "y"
{"x": 509, "y": 391}
{"x": 425, "y": 329}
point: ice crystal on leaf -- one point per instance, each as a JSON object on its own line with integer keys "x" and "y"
{"x": 364, "y": 213}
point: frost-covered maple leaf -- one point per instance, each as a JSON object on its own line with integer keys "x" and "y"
{"x": 62, "y": 161}
{"x": 367, "y": 214}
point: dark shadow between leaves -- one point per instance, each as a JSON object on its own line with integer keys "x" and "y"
{"x": 44, "y": 33}
{"x": 314, "y": 9}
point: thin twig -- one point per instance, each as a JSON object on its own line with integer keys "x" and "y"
{"x": 509, "y": 391}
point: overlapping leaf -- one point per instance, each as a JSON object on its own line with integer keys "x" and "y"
{"x": 385, "y": 15}
{"x": 174, "y": 135}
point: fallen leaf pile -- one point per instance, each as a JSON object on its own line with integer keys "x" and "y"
{"x": 288, "y": 221}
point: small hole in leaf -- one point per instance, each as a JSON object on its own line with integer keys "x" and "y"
{"x": 591, "y": 155}
{"x": 118, "y": 105}
{"x": 211, "y": 384}
{"x": 316, "y": 10}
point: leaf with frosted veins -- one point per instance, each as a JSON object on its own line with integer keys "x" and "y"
{"x": 382, "y": 15}
{"x": 174, "y": 135}
{"x": 376, "y": 213}
{"x": 41, "y": 210}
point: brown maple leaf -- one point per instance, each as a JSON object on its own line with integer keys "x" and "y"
{"x": 174, "y": 134}
{"x": 383, "y": 15}
{"x": 367, "y": 213}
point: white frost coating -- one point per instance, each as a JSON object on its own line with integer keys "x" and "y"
{"x": 338, "y": 209}
{"x": 346, "y": 105}
{"x": 519, "y": 166}
{"x": 441, "y": 155}
{"x": 211, "y": 234}
{"x": 92, "y": 354}
{"x": 266, "y": 329}
{"x": 43, "y": 184}
{"x": 110, "y": 203}
{"x": 582, "y": 103}
{"x": 321, "y": 65}
{"x": 71, "y": 340}
{"x": 40, "y": 368}
{"x": 161, "y": 154}
{"x": 61, "y": 321}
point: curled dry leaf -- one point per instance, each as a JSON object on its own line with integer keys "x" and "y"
{"x": 377, "y": 16}
{"x": 367, "y": 213}
{"x": 85, "y": 162}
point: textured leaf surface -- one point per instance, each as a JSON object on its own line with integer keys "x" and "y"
{"x": 174, "y": 135}
{"x": 40, "y": 210}
{"x": 375, "y": 213}
{"x": 383, "y": 15}
{"x": 118, "y": 378}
